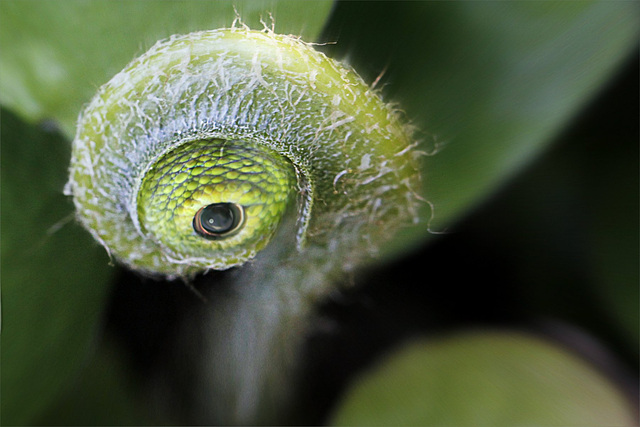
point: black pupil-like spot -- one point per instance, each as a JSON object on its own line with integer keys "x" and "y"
{"x": 218, "y": 220}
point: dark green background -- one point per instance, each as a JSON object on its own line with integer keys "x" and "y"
{"x": 533, "y": 109}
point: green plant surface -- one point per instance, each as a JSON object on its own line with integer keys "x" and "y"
{"x": 483, "y": 379}
{"x": 54, "y": 277}
{"x": 104, "y": 394}
{"x": 488, "y": 86}
{"x": 50, "y": 68}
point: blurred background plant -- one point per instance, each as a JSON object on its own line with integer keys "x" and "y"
{"x": 518, "y": 302}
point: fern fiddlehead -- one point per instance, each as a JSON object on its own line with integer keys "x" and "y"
{"x": 251, "y": 122}
{"x": 220, "y": 147}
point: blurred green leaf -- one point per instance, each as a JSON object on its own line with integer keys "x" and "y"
{"x": 55, "y": 55}
{"x": 488, "y": 84}
{"x": 484, "y": 379}
{"x": 54, "y": 276}
{"x": 104, "y": 394}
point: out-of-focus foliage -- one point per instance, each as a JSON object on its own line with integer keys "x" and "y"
{"x": 54, "y": 276}
{"x": 104, "y": 394}
{"x": 54, "y": 56}
{"x": 489, "y": 85}
{"x": 484, "y": 379}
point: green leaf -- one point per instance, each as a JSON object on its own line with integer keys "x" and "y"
{"x": 104, "y": 394}
{"x": 484, "y": 379}
{"x": 54, "y": 276}
{"x": 55, "y": 55}
{"x": 487, "y": 84}
{"x": 544, "y": 62}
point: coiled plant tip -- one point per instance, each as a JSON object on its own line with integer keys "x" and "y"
{"x": 191, "y": 157}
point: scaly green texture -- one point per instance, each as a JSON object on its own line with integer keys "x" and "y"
{"x": 201, "y": 173}
{"x": 356, "y": 178}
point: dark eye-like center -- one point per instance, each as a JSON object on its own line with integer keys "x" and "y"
{"x": 218, "y": 220}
